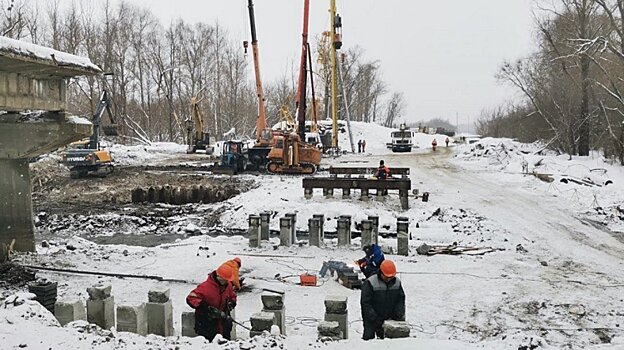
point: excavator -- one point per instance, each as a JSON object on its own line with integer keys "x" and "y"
{"x": 197, "y": 138}
{"x": 86, "y": 157}
{"x": 290, "y": 153}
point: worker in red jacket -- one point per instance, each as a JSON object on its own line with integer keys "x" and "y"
{"x": 213, "y": 300}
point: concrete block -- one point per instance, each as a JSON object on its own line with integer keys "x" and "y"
{"x": 233, "y": 331}
{"x": 254, "y": 231}
{"x": 285, "y": 232}
{"x": 364, "y": 195}
{"x": 308, "y": 193}
{"x": 346, "y": 193}
{"x": 262, "y": 321}
{"x": 188, "y": 324}
{"x": 336, "y": 304}
{"x": 396, "y": 329}
{"x": 101, "y": 312}
{"x": 272, "y": 301}
{"x": 328, "y": 192}
{"x": 160, "y": 319}
{"x": 279, "y": 319}
{"x": 402, "y": 238}
{"x": 367, "y": 232}
{"x": 265, "y": 220}
{"x": 329, "y": 329}
{"x": 343, "y": 321}
{"x": 375, "y": 225}
{"x": 69, "y": 311}
{"x": 314, "y": 232}
{"x": 253, "y": 333}
{"x": 132, "y": 318}
{"x": 99, "y": 292}
{"x": 321, "y": 218}
{"x": 158, "y": 295}
{"x": 344, "y": 232}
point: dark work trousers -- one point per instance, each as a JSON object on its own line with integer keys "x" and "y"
{"x": 370, "y": 331}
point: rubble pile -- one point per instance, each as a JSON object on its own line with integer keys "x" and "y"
{"x": 12, "y": 274}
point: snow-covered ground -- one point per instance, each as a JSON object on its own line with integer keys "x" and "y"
{"x": 555, "y": 281}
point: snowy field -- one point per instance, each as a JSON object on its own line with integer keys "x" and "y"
{"x": 554, "y": 280}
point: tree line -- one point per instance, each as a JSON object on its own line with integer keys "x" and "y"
{"x": 572, "y": 85}
{"x": 157, "y": 69}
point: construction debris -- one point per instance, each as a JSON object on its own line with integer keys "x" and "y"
{"x": 12, "y": 274}
{"x": 454, "y": 249}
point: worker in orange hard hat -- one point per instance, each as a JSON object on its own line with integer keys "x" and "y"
{"x": 235, "y": 264}
{"x": 382, "y": 299}
{"x": 213, "y": 300}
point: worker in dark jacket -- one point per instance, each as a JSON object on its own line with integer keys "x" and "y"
{"x": 382, "y": 299}
{"x": 213, "y": 300}
{"x": 369, "y": 265}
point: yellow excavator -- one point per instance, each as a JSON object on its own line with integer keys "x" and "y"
{"x": 197, "y": 139}
{"x": 86, "y": 157}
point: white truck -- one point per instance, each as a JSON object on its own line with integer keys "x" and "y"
{"x": 402, "y": 139}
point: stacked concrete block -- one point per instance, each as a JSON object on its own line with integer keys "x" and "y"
{"x": 367, "y": 233}
{"x": 344, "y": 232}
{"x": 132, "y": 318}
{"x": 274, "y": 304}
{"x": 336, "y": 311}
{"x": 321, "y": 218}
{"x": 45, "y": 293}
{"x": 308, "y": 193}
{"x": 315, "y": 232}
{"x": 69, "y": 311}
{"x": 159, "y": 313}
{"x": 101, "y": 306}
{"x": 396, "y": 329}
{"x": 346, "y": 193}
{"x": 265, "y": 220}
{"x": 293, "y": 227}
{"x": 260, "y": 322}
{"x": 254, "y": 231}
{"x": 328, "y": 330}
{"x": 188, "y": 324}
{"x": 403, "y": 236}
{"x": 375, "y": 223}
{"x": 285, "y": 232}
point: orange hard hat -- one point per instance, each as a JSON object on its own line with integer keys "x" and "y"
{"x": 238, "y": 260}
{"x": 388, "y": 268}
{"x": 225, "y": 271}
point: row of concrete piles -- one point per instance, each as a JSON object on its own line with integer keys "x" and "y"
{"x": 156, "y": 316}
{"x": 182, "y": 195}
{"x": 259, "y": 230}
{"x": 153, "y": 317}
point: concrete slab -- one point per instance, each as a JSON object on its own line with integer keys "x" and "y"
{"x": 396, "y": 329}
{"x": 188, "y": 324}
{"x": 67, "y": 311}
{"x": 132, "y": 318}
{"x": 101, "y": 312}
{"x": 160, "y": 318}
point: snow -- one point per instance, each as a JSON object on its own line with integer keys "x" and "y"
{"x": 72, "y": 119}
{"x": 554, "y": 282}
{"x": 29, "y": 49}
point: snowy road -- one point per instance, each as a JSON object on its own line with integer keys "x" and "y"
{"x": 584, "y": 272}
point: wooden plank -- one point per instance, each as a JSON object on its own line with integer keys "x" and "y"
{"x": 357, "y": 183}
{"x": 364, "y": 171}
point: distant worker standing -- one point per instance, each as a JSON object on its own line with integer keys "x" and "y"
{"x": 446, "y": 141}
{"x": 359, "y": 146}
{"x": 363, "y": 146}
{"x": 383, "y": 172}
{"x": 434, "y": 144}
{"x": 235, "y": 264}
{"x": 369, "y": 265}
{"x": 213, "y": 300}
{"x": 382, "y": 299}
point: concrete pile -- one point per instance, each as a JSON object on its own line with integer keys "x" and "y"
{"x": 336, "y": 311}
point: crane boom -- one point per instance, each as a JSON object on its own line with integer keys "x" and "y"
{"x": 261, "y": 123}
{"x": 301, "y": 89}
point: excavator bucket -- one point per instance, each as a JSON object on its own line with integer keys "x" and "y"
{"x": 110, "y": 130}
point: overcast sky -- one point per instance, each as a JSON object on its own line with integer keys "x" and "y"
{"x": 442, "y": 54}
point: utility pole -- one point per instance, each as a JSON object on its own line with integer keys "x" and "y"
{"x": 334, "y": 87}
